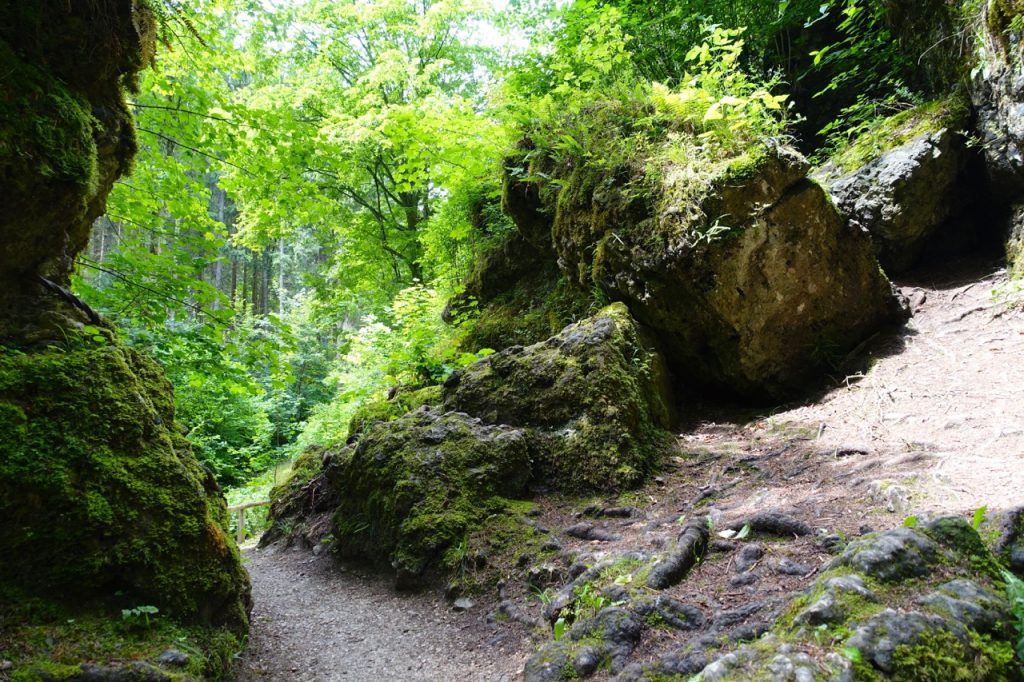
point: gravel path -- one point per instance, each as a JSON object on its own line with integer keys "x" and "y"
{"x": 315, "y": 621}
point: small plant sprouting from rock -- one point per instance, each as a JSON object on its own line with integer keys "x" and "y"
{"x": 979, "y": 517}
{"x": 139, "y": 613}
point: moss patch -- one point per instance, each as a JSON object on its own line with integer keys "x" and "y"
{"x": 899, "y": 129}
{"x": 44, "y": 637}
{"x": 596, "y": 395}
{"x": 95, "y": 470}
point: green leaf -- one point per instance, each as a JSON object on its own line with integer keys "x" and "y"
{"x": 979, "y": 517}
{"x": 559, "y": 629}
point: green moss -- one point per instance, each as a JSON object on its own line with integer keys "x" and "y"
{"x": 965, "y": 545}
{"x": 46, "y": 130}
{"x": 596, "y": 395}
{"x": 95, "y": 470}
{"x": 899, "y": 129}
{"x": 57, "y": 646}
{"x": 1000, "y": 18}
{"x": 939, "y": 655}
{"x": 1015, "y": 256}
{"x": 414, "y": 487}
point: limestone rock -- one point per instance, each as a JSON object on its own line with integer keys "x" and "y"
{"x": 959, "y": 629}
{"x": 515, "y": 295}
{"x": 752, "y": 287}
{"x": 1015, "y": 242}
{"x": 411, "y": 488}
{"x": 895, "y": 555}
{"x": 997, "y": 92}
{"x": 65, "y": 136}
{"x": 99, "y": 492}
{"x": 606, "y": 639}
{"x": 903, "y": 195}
{"x": 596, "y": 396}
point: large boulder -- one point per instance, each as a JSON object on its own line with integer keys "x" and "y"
{"x": 583, "y": 411}
{"x": 596, "y": 396}
{"x": 101, "y": 499}
{"x": 411, "y": 489}
{"x": 750, "y": 279}
{"x": 899, "y": 181}
{"x": 65, "y": 134}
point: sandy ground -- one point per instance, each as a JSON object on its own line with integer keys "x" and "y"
{"x": 940, "y": 411}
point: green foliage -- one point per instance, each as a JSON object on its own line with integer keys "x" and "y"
{"x": 1015, "y": 593}
{"x": 139, "y": 613}
{"x": 888, "y": 58}
{"x": 413, "y": 348}
{"x": 717, "y": 111}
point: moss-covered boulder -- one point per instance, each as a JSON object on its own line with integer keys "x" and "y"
{"x": 903, "y": 179}
{"x": 925, "y": 603}
{"x": 585, "y": 410}
{"x": 101, "y": 498}
{"x": 410, "y": 490}
{"x": 596, "y": 396}
{"x": 301, "y": 506}
{"x": 747, "y": 275}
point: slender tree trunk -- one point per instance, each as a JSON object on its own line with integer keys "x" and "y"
{"x": 280, "y": 277}
{"x": 265, "y": 283}
{"x": 234, "y": 282}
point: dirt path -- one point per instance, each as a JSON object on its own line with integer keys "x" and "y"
{"x": 316, "y": 622}
{"x": 940, "y": 412}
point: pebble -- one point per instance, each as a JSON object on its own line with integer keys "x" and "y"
{"x": 463, "y": 604}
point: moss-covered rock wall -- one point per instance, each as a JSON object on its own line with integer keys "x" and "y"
{"x": 102, "y": 504}
{"x": 101, "y": 498}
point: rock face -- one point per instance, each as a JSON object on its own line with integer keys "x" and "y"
{"x": 751, "y": 283}
{"x": 902, "y": 196}
{"x": 583, "y": 411}
{"x": 516, "y": 296}
{"x": 66, "y": 137}
{"x": 410, "y": 489}
{"x": 102, "y": 503}
{"x": 997, "y": 92}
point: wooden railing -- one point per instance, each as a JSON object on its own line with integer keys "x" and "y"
{"x": 240, "y": 508}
